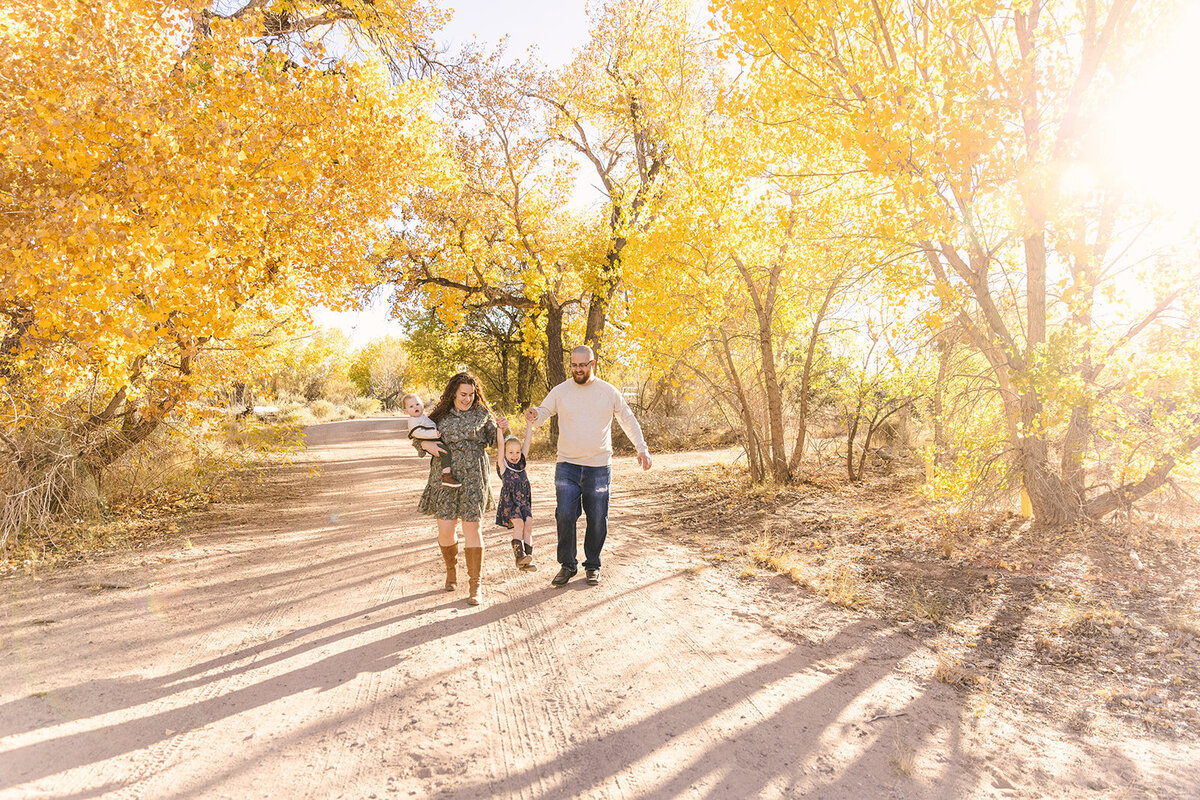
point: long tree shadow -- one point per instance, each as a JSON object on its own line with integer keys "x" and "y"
{"x": 407, "y": 697}
{"x": 97, "y": 697}
{"x": 20, "y": 715}
{"x": 39, "y": 760}
{"x": 794, "y": 727}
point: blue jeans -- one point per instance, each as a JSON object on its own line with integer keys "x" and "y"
{"x": 578, "y": 490}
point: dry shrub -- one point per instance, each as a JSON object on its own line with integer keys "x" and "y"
{"x": 366, "y": 406}
{"x": 925, "y": 605}
{"x": 1073, "y": 619}
{"x": 321, "y": 409}
{"x": 181, "y": 465}
{"x": 948, "y": 669}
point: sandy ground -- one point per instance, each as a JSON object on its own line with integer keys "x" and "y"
{"x": 302, "y": 646}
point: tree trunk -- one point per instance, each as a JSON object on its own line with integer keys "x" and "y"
{"x": 1125, "y": 496}
{"x": 556, "y": 370}
{"x": 507, "y": 389}
{"x": 851, "y": 435}
{"x": 1052, "y": 500}
{"x": 806, "y": 382}
{"x": 778, "y": 454}
{"x": 764, "y": 309}
{"x": 610, "y": 276}
{"x": 525, "y": 366}
{"x": 872, "y": 424}
{"x": 751, "y": 443}
{"x": 1074, "y": 444}
{"x": 941, "y": 442}
{"x": 243, "y": 396}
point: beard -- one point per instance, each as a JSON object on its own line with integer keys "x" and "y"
{"x": 581, "y": 379}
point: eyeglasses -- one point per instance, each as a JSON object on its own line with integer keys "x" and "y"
{"x": 584, "y": 365}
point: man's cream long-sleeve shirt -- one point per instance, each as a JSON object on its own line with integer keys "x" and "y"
{"x": 585, "y": 414}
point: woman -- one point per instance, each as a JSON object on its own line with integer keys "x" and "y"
{"x": 465, "y": 422}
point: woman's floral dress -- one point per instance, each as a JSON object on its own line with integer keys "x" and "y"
{"x": 466, "y": 434}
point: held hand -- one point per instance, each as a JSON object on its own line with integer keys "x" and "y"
{"x": 644, "y": 460}
{"x": 433, "y": 448}
{"x": 502, "y": 423}
{"x": 531, "y": 415}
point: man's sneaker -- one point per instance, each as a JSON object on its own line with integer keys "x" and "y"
{"x": 519, "y": 553}
{"x": 563, "y": 576}
{"x": 593, "y": 577}
{"x": 448, "y": 481}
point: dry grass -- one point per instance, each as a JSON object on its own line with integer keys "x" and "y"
{"x": 981, "y": 699}
{"x": 904, "y": 759}
{"x": 1184, "y": 622}
{"x": 947, "y": 669}
{"x": 1071, "y": 618}
{"x": 843, "y": 587}
{"x": 923, "y": 604}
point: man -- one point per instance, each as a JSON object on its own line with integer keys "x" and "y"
{"x": 585, "y": 406}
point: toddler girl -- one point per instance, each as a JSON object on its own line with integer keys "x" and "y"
{"x": 514, "y": 508}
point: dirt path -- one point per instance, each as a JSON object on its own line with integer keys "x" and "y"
{"x": 303, "y": 648}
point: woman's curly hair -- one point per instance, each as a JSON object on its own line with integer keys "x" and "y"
{"x": 447, "y": 400}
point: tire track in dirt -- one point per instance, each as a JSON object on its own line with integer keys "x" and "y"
{"x": 536, "y": 723}
{"x": 521, "y": 739}
{"x": 338, "y": 768}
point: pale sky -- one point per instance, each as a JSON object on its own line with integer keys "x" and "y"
{"x": 554, "y": 28}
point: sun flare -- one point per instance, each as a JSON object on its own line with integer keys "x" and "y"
{"x": 1147, "y": 133}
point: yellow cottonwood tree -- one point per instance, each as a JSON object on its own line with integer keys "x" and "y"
{"x": 502, "y": 234}
{"x": 508, "y": 235}
{"x": 970, "y": 112}
{"x": 168, "y": 174}
{"x": 749, "y": 256}
{"x": 643, "y": 73}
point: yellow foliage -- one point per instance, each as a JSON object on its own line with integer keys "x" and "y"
{"x": 165, "y": 169}
{"x": 177, "y": 188}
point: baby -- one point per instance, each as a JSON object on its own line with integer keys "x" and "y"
{"x": 514, "y": 508}
{"x": 423, "y": 428}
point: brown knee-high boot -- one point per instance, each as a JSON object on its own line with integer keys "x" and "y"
{"x": 450, "y": 556}
{"x": 474, "y": 570}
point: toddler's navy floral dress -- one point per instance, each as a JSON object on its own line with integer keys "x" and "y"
{"x": 516, "y": 498}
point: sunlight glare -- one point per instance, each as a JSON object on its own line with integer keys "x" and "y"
{"x": 1148, "y": 132}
